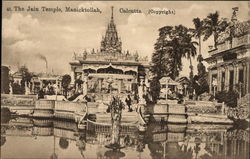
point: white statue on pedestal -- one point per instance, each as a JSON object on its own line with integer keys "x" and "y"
{"x": 141, "y": 93}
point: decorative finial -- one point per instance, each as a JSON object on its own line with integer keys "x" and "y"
{"x": 112, "y": 8}
{"x": 234, "y": 16}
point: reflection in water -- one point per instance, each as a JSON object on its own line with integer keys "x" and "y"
{"x": 63, "y": 142}
{"x": 116, "y": 107}
{"x": 62, "y": 139}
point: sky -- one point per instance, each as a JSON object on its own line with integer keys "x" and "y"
{"x": 28, "y": 36}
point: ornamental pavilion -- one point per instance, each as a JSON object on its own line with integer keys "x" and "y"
{"x": 109, "y": 70}
{"x": 230, "y": 61}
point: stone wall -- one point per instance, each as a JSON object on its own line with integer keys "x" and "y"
{"x": 203, "y": 107}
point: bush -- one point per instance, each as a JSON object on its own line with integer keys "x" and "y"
{"x": 17, "y": 89}
{"x": 228, "y": 97}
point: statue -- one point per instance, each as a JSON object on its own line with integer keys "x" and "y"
{"x": 85, "y": 85}
{"x": 136, "y": 56}
{"x": 141, "y": 93}
{"x": 27, "y": 90}
{"x": 10, "y": 89}
{"x": 116, "y": 106}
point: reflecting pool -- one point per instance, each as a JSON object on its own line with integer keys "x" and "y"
{"x": 37, "y": 138}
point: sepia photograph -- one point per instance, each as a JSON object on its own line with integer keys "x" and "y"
{"x": 125, "y": 79}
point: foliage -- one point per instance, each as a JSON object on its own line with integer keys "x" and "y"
{"x": 200, "y": 83}
{"x": 5, "y": 79}
{"x": 214, "y": 26}
{"x": 66, "y": 79}
{"x": 159, "y": 57}
{"x": 173, "y": 44}
{"x": 26, "y": 75}
{"x": 229, "y": 97}
{"x": 155, "y": 88}
{"x": 198, "y": 30}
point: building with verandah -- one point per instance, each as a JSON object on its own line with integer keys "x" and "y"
{"x": 230, "y": 61}
{"x": 109, "y": 70}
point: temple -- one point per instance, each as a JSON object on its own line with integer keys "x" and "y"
{"x": 230, "y": 61}
{"x": 110, "y": 69}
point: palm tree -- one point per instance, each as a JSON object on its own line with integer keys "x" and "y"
{"x": 214, "y": 26}
{"x": 190, "y": 51}
{"x": 198, "y": 32}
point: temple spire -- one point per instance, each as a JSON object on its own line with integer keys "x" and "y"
{"x": 111, "y": 42}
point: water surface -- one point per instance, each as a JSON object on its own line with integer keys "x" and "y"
{"x": 36, "y": 138}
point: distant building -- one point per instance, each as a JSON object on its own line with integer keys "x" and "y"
{"x": 43, "y": 79}
{"x": 109, "y": 69}
{"x": 230, "y": 61}
{"x": 17, "y": 77}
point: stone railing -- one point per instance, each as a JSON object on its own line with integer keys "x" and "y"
{"x": 103, "y": 57}
{"x": 203, "y": 107}
{"x": 235, "y": 43}
{"x": 241, "y": 112}
{"x": 202, "y": 110}
{"x": 70, "y": 106}
{"x": 45, "y": 104}
{"x": 17, "y": 102}
{"x": 110, "y": 58}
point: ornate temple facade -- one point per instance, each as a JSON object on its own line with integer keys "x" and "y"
{"x": 109, "y": 70}
{"x": 230, "y": 61}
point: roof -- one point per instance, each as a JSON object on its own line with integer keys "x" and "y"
{"x": 168, "y": 80}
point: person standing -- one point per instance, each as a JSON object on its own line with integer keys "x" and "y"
{"x": 129, "y": 101}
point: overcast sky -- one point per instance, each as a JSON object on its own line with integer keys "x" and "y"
{"x": 58, "y": 35}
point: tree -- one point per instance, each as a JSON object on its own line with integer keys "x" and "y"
{"x": 155, "y": 88}
{"x": 198, "y": 31}
{"x": 214, "y": 26}
{"x": 173, "y": 44}
{"x": 26, "y": 75}
{"x": 66, "y": 79}
{"x": 159, "y": 57}
{"x": 188, "y": 45}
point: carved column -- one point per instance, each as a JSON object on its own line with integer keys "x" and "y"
{"x": 72, "y": 75}
{"x": 33, "y": 87}
{"x": 210, "y": 80}
{"x": 235, "y": 82}
{"x": 226, "y": 78}
{"x": 100, "y": 85}
{"x": 218, "y": 79}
